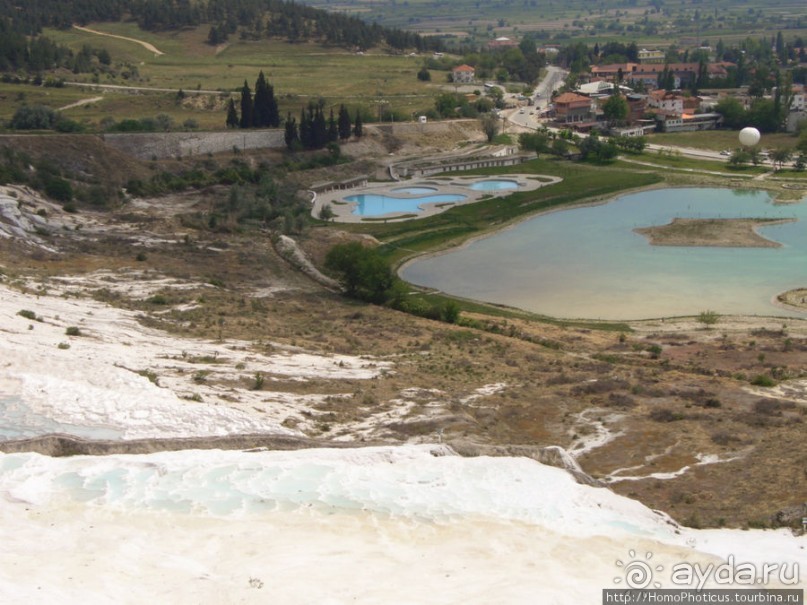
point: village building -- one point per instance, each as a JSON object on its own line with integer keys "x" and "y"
{"x": 651, "y": 56}
{"x": 502, "y": 43}
{"x": 684, "y": 74}
{"x": 463, "y": 74}
{"x": 571, "y": 108}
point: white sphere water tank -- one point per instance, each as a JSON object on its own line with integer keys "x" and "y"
{"x": 749, "y": 136}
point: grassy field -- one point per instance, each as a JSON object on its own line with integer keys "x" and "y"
{"x": 298, "y": 73}
{"x": 718, "y": 140}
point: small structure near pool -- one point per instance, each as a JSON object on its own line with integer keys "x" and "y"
{"x": 396, "y": 201}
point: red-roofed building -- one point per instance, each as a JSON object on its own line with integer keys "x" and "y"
{"x": 571, "y": 107}
{"x": 684, "y": 73}
{"x": 463, "y": 74}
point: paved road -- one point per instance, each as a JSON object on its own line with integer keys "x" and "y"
{"x": 528, "y": 117}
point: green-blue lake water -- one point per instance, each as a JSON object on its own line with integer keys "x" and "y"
{"x": 588, "y": 263}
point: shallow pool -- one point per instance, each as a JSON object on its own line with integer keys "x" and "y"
{"x": 371, "y": 204}
{"x": 19, "y": 421}
{"x": 494, "y": 185}
{"x": 588, "y": 262}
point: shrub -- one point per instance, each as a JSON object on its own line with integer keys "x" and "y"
{"x": 73, "y": 331}
{"x": 33, "y": 117}
{"x": 28, "y": 315}
{"x": 763, "y": 380}
{"x": 259, "y": 380}
{"x": 708, "y": 318}
{"x": 665, "y": 415}
{"x": 58, "y": 189}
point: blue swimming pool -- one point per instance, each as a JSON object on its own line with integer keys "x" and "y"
{"x": 371, "y": 204}
{"x": 494, "y": 185}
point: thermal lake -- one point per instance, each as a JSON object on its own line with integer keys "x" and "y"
{"x": 588, "y": 262}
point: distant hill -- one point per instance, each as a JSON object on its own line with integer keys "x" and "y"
{"x": 250, "y": 19}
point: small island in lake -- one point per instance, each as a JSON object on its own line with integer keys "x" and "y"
{"x": 723, "y": 232}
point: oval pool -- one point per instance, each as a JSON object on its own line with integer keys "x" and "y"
{"x": 494, "y": 185}
{"x": 588, "y": 262}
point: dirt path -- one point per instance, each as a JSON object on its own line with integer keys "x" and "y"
{"x": 82, "y": 102}
{"x": 145, "y": 45}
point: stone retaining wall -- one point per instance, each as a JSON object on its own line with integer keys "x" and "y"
{"x": 147, "y": 146}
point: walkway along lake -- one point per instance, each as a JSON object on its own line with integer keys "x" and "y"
{"x": 588, "y": 262}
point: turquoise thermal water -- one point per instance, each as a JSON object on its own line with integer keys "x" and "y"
{"x": 588, "y": 262}
{"x": 371, "y": 204}
{"x": 18, "y": 421}
{"x": 494, "y": 185}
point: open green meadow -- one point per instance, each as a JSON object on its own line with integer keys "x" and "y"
{"x": 298, "y": 72}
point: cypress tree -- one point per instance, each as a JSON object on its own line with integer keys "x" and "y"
{"x": 357, "y": 126}
{"x": 261, "y": 110}
{"x": 232, "y": 115}
{"x": 319, "y": 129}
{"x": 344, "y": 125}
{"x": 246, "y": 107}
{"x": 333, "y": 131}
{"x": 305, "y": 129}
{"x": 274, "y": 112}
{"x": 291, "y": 136}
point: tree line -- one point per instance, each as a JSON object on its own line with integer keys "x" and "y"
{"x": 254, "y": 18}
{"x": 20, "y": 52}
{"x": 312, "y": 131}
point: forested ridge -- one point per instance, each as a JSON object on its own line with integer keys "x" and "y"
{"x": 23, "y": 48}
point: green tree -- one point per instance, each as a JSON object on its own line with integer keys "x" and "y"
{"x": 739, "y": 157}
{"x": 780, "y": 156}
{"x": 734, "y": 115}
{"x": 534, "y": 141}
{"x": 344, "y": 126}
{"x": 490, "y": 126}
{"x": 559, "y": 147}
{"x": 261, "y": 110}
{"x": 363, "y": 273}
{"x": 290, "y": 135}
{"x": 358, "y": 129}
{"x": 764, "y": 114}
{"x": 424, "y": 75}
{"x": 615, "y": 109}
{"x": 33, "y": 117}
{"x": 246, "y": 107}
{"x": 333, "y": 129}
{"x": 232, "y": 115}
